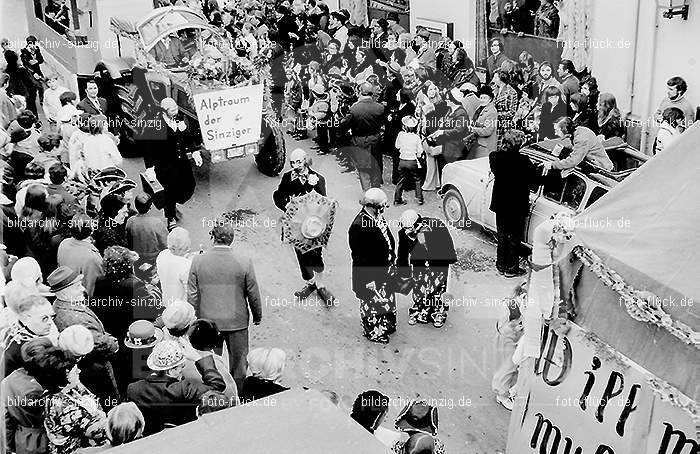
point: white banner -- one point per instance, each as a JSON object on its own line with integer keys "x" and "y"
{"x": 231, "y": 117}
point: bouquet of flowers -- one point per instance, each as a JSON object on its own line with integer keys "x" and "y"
{"x": 206, "y": 68}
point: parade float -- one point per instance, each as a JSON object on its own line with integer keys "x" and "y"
{"x": 610, "y": 354}
{"x": 224, "y": 95}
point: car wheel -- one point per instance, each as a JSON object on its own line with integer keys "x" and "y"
{"x": 455, "y": 209}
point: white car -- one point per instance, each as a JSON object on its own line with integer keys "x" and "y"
{"x": 467, "y": 186}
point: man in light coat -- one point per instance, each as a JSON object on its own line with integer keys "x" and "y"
{"x": 222, "y": 288}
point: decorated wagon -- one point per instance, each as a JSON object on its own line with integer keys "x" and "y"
{"x": 178, "y": 54}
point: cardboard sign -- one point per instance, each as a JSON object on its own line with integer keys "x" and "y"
{"x": 582, "y": 397}
{"x": 231, "y": 117}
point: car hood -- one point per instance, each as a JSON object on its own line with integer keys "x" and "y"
{"x": 479, "y": 166}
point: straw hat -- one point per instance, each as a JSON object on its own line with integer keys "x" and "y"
{"x": 165, "y": 356}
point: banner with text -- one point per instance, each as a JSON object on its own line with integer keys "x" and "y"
{"x": 583, "y": 397}
{"x": 231, "y": 117}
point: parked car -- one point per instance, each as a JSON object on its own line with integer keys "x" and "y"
{"x": 467, "y": 186}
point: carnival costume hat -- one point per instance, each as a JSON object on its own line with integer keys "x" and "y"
{"x": 418, "y": 416}
{"x": 308, "y": 221}
{"x": 165, "y": 356}
{"x": 62, "y": 278}
{"x": 143, "y": 334}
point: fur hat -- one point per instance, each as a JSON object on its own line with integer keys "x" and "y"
{"x": 76, "y": 340}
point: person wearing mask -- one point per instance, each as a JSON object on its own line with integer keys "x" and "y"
{"x": 453, "y": 128}
{"x": 569, "y": 82}
{"x": 164, "y": 397}
{"x": 485, "y": 123}
{"x": 92, "y": 103}
{"x": 676, "y": 87}
{"x": 672, "y": 125}
{"x": 495, "y": 60}
{"x": 365, "y": 120}
{"x": 222, "y": 287}
{"x": 301, "y": 180}
{"x": 609, "y": 119}
{"x": 514, "y": 174}
{"x": 265, "y": 369}
{"x": 586, "y": 147}
{"x": 168, "y": 162}
{"x": 583, "y": 116}
{"x": 425, "y": 252}
{"x": 552, "y": 109}
{"x": 79, "y": 254}
{"x": 372, "y": 248}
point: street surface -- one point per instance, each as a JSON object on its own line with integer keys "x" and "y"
{"x": 451, "y": 366}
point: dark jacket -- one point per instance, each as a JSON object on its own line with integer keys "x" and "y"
{"x": 437, "y": 250}
{"x": 366, "y": 118}
{"x": 256, "y": 388}
{"x": 168, "y": 156}
{"x": 164, "y": 400}
{"x": 493, "y": 64}
{"x": 547, "y": 118}
{"x": 222, "y": 287}
{"x": 24, "y": 414}
{"x": 456, "y": 127}
{"x": 88, "y": 107}
{"x": 612, "y": 127}
{"x": 372, "y": 256}
{"x": 514, "y": 173}
{"x": 292, "y": 187}
{"x": 589, "y": 119}
{"x": 26, "y": 56}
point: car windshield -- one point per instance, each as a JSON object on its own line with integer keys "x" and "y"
{"x": 154, "y": 28}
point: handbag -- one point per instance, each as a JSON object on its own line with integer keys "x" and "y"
{"x": 470, "y": 142}
{"x": 153, "y": 189}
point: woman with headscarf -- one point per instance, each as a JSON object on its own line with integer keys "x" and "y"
{"x": 265, "y": 369}
{"x": 372, "y": 248}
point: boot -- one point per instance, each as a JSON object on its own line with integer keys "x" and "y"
{"x": 326, "y": 296}
{"x": 306, "y": 291}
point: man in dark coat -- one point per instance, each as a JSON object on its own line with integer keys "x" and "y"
{"x": 32, "y": 59}
{"x": 426, "y": 250}
{"x": 453, "y": 128}
{"x": 514, "y": 174}
{"x": 168, "y": 161}
{"x": 93, "y": 104}
{"x": 297, "y": 182}
{"x": 222, "y": 288}
{"x": 366, "y": 119}
{"x": 372, "y": 250}
{"x": 164, "y": 398}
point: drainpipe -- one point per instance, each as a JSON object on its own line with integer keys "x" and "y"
{"x": 652, "y": 65}
{"x": 634, "y": 56}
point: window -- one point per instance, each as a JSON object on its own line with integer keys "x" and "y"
{"x": 567, "y": 191}
{"x": 596, "y": 193}
{"x": 574, "y": 190}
